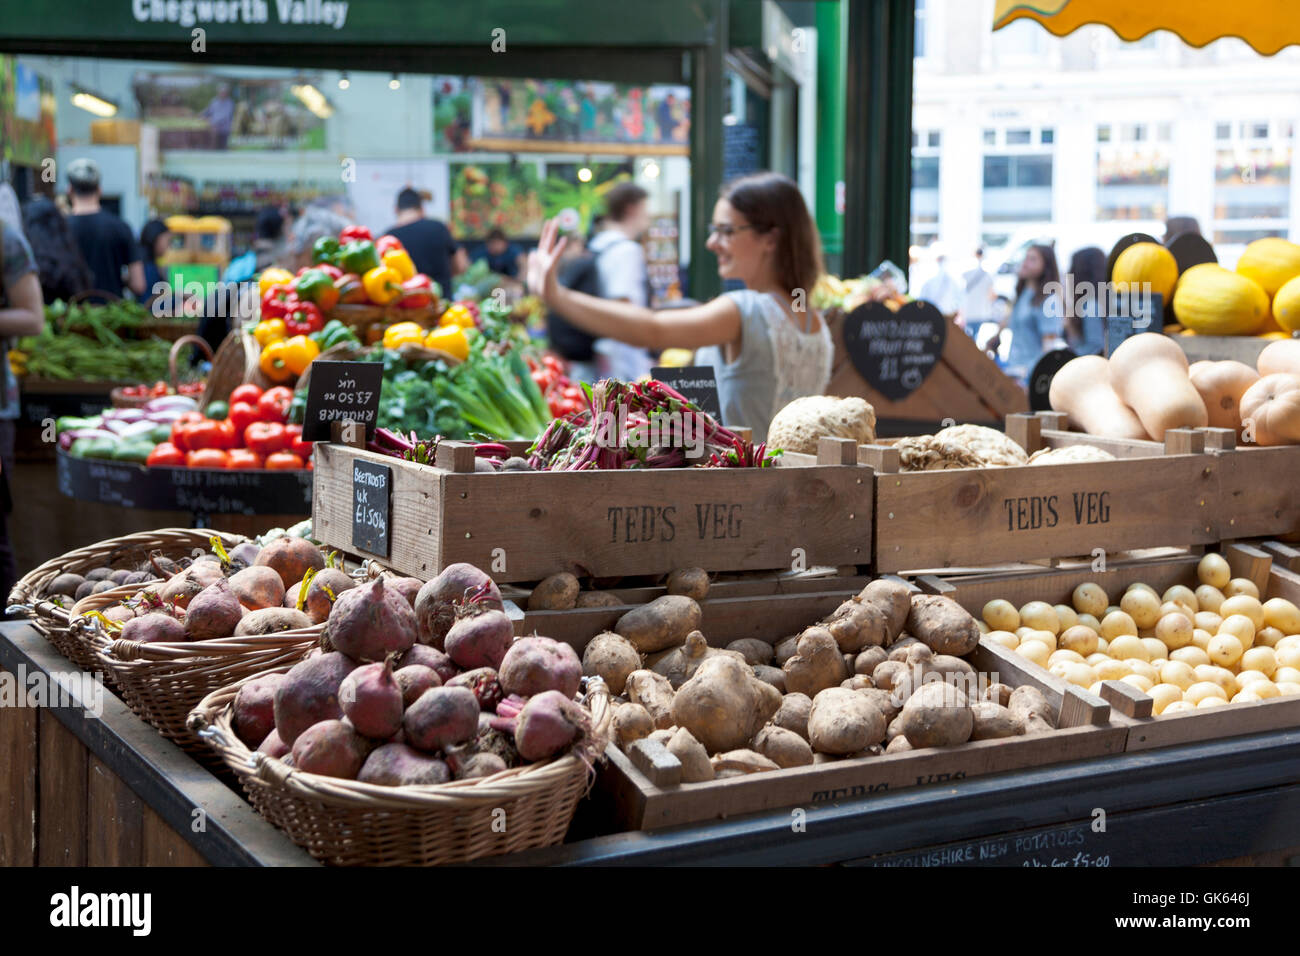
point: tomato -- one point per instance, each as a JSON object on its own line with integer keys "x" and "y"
{"x": 550, "y": 361}
{"x": 159, "y": 389}
{"x": 302, "y": 449}
{"x": 266, "y": 438}
{"x": 205, "y": 433}
{"x": 229, "y": 437}
{"x": 165, "y": 454}
{"x": 249, "y": 393}
{"x": 242, "y": 458}
{"x": 283, "y": 461}
{"x": 207, "y": 458}
{"x": 243, "y": 414}
{"x": 179, "y": 427}
{"x": 273, "y": 406}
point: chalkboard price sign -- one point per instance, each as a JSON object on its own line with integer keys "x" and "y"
{"x": 699, "y": 383}
{"x": 1130, "y": 315}
{"x": 341, "y": 391}
{"x": 371, "y": 493}
{"x": 895, "y": 351}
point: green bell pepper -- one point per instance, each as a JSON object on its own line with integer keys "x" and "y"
{"x": 358, "y": 256}
{"x": 332, "y": 334}
{"x": 133, "y": 449}
{"x": 325, "y": 249}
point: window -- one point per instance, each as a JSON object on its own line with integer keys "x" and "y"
{"x": 1048, "y": 136}
{"x": 919, "y": 48}
{"x": 1019, "y": 137}
{"x": 990, "y": 137}
{"x": 1137, "y": 133}
{"x": 997, "y": 172}
{"x": 1165, "y": 132}
{"x": 1223, "y": 131}
{"x": 1017, "y": 188}
{"x": 1103, "y": 134}
{"x": 1021, "y": 172}
{"x": 934, "y": 139}
{"x": 1258, "y": 131}
{"x": 925, "y": 172}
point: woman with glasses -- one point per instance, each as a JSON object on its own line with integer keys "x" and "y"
{"x": 766, "y": 343}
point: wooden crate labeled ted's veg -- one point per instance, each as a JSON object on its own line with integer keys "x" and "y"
{"x": 1151, "y": 494}
{"x": 523, "y": 526}
{"x": 1131, "y": 707}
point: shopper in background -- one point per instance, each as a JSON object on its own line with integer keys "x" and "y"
{"x": 766, "y": 351}
{"x": 1036, "y": 319}
{"x": 942, "y": 290}
{"x": 504, "y": 257}
{"x": 22, "y": 312}
{"x": 62, "y": 269}
{"x": 621, "y": 266}
{"x": 317, "y": 221}
{"x": 105, "y": 240}
{"x": 428, "y": 241}
{"x": 267, "y": 248}
{"x": 977, "y": 296}
{"x": 1086, "y": 280}
{"x": 577, "y": 271}
{"x": 155, "y": 237}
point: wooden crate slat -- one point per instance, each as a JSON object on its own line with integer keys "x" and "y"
{"x": 62, "y": 819}
{"x": 1259, "y": 491}
{"x": 1001, "y": 393}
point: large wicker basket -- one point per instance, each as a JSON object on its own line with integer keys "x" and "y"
{"x": 237, "y": 361}
{"x": 31, "y": 596}
{"x": 347, "y": 823}
{"x": 121, "y": 400}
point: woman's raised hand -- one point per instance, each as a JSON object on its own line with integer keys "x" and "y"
{"x": 544, "y": 261}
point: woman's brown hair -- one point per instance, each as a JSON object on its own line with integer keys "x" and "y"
{"x": 771, "y": 201}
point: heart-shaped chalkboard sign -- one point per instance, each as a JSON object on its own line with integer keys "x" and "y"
{"x": 895, "y": 351}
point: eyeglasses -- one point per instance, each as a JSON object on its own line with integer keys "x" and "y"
{"x": 726, "y": 232}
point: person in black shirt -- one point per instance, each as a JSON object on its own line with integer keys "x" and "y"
{"x": 503, "y": 256}
{"x": 428, "y": 241}
{"x": 106, "y": 241}
{"x": 63, "y": 272}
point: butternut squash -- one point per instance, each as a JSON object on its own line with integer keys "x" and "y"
{"x": 1082, "y": 390}
{"x": 1221, "y": 385}
{"x": 1149, "y": 374}
{"x": 1280, "y": 357}
{"x": 1270, "y": 410}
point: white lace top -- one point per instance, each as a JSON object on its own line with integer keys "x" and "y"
{"x": 778, "y": 362}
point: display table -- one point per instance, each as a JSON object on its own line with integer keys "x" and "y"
{"x": 1232, "y": 800}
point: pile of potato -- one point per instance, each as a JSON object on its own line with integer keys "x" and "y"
{"x": 884, "y": 673}
{"x": 1187, "y": 649}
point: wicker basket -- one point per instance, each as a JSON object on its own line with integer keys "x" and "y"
{"x": 31, "y": 597}
{"x": 358, "y": 317}
{"x": 236, "y": 362}
{"x": 122, "y": 400}
{"x": 346, "y": 823}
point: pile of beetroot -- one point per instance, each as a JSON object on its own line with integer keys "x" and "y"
{"x": 419, "y": 687}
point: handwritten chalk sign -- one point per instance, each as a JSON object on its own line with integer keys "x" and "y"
{"x": 699, "y": 383}
{"x": 895, "y": 351}
{"x": 1040, "y": 379}
{"x": 372, "y": 485}
{"x": 1128, "y": 315}
{"x": 341, "y": 391}
{"x": 1074, "y": 845}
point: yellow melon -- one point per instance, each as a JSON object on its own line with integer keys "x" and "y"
{"x": 1286, "y": 306}
{"x": 1145, "y": 262}
{"x": 1212, "y": 300}
{"x": 1272, "y": 262}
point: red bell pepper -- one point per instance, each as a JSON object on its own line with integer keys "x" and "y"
{"x": 350, "y": 233}
{"x": 303, "y": 318}
{"x": 275, "y": 302}
{"x": 384, "y": 243}
{"x": 334, "y": 272}
{"x": 417, "y": 293}
{"x": 266, "y": 438}
{"x": 274, "y": 405}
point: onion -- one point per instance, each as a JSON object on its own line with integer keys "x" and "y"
{"x": 123, "y": 414}
{"x": 172, "y": 403}
{"x": 164, "y": 417}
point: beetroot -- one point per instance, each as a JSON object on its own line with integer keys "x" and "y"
{"x": 435, "y": 605}
{"x": 431, "y": 658}
{"x": 331, "y": 748}
{"x": 441, "y": 717}
{"x": 254, "y": 708}
{"x": 310, "y": 694}
{"x": 290, "y": 557}
{"x": 273, "y": 746}
{"x": 372, "y": 700}
{"x": 479, "y": 639}
{"x": 331, "y": 581}
{"x": 153, "y": 628}
{"x": 536, "y": 664}
{"x": 258, "y": 587}
{"x": 478, "y": 764}
{"x": 370, "y": 622}
{"x": 214, "y": 612}
{"x": 184, "y": 586}
{"x": 414, "y": 680}
{"x": 550, "y": 724}
{"x": 398, "y": 765}
{"x": 483, "y": 683}
{"x": 244, "y": 553}
{"x": 407, "y": 587}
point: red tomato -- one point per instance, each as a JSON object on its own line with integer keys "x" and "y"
{"x": 283, "y": 461}
{"x": 249, "y": 393}
{"x": 207, "y": 458}
{"x": 166, "y": 454}
{"x": 273, "y": 406}
{"x": 266, "y": 438}
{"x": 243, "y": 414}
{"x": 205, "y": 434}
{"x": 243, "y": 458}
{"x": 180, "y": 426}
{"x": 302, "y": 449}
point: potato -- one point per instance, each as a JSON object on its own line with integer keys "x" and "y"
{"x": 1097, "y": 658}
{"x": 696, "y": 766}
{"x": 1067, "y": 615}
{"x": 858, "y": 682}
{"x": 1141, "y": 586}
{"x": 1155, "y": 648}
{"x": 1174, "y": 631}
{"x": 753, "y": 650}
{"x": 1088, "y": 620}
{"x": 898, "y": 745}
{"x": 612, "y": 658}
{"x": 888, "y": 674}
{"x": 984, "y": 628}
{"x": 1213, "y": 570}
{"x": 998, "y": 694}
{"x": 559, "y": 592}
{"x": 1245, "y": 605}
{"x": 943, "y": 625}
{"x": 1041, "y": 616}
{"x": 1245, "y": 678}
{"x": 1238, "y": 626}
{"x": 661, "y": 624}
{"x": 856, "y": 625}
{"x": 784, "y": 747}
{"x": 868, "y": 660}
{"x": 1289, "y": 675}
{"x": 1142, "y": 683}
{"x": 1117, "y": 624}
{"x": 1288, "y": 688}
{"x": 784, "y": 650}
{"x": 898, "y": 650}
{"x": 1073, "y": 657}
{"x": 723, "y": 705}
{"x": 271, "y": 620}
{"x": 1178, "y": 673}
{"x": 1173, "y": 607}
{"x": 937, "y": 715}
{"x": 1178, "y": 707}
{"x": 1029, "y": 704}
{"x": 1127, "y": 646}
{"x": 737, "y": 763}
{"x": 587, "y": 599}
{"x": 1281, "y": 614}
{"x": 65, "y": 584}
{"x": 1216, "y": 675}
{"x": 1034, "y": 651}
{"x": 990, "y": 720}
{"x": 1181, "y": 594}
{"x": 631, "y": 722}
{"x": 1144, "y": 668}
{"x": 680, "y": 663}
{"x": 1268, "y": 636}
{"x": 1245, "y": 697}
{"x": 1142, "y": 606}
{"x": 793, "y": 714}
{"x": 1162, "y": 695}
{"x": 893, "y": 597}
{"x": 1241, "y": 586}
{"x": 1005, "y": 638}
{"x": 1089, "y": 598}
{"x": 1045, "y": 637}
{"x": 1205, "y": 703}
{"x": 1209, "y": 598}
{"x": 1190, "y": 655}
{"x": 1262, "y": 659}
{"x": 1266, "y": 689}
{"x": 817, "y": 665}
{"x": 1288, "y": 656}
{"x": 1111, "y": 670}
{"x": 771, "y": 675}
{"x": 1079, "y": 674}
{"x": 1079, "y": 639}
{"x": 1001, "y": 615}
{"x": 843, "y": 721}
{"x": 885, "y": 701}
{"x": 689, "y": 582}
{"x": 653, "y": 692}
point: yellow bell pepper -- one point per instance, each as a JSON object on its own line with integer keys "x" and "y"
{"x": 270, "y": 277}
{"x": 450, "y": 339}
{"x": 268, "y": 331}
{"x": 459, "y": 316}
{"x": 399, "y": 260}
{"x": 299, "y": 352}
{"x": 274, "y": 361}
{"x": 382, "y": 284}
{"x": 403, "y": 333}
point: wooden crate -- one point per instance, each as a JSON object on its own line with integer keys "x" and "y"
{"x": 1132, "y": 708}
{"x": 1258, "y": 488}
{"x": 1153, "y": 494}
{"x": 523, "y": 526}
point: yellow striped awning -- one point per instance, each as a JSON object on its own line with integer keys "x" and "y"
{"x": 1267, "y": 25}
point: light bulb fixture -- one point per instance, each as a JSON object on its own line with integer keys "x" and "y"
{"x": 394, "y": 83}
{"x": 344, "y": 82}
{"x": 650, "y": 170}
{"x": 313, "y": 99}
{"x": 93, "y": 104}
{"x": 584, "y": 174}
